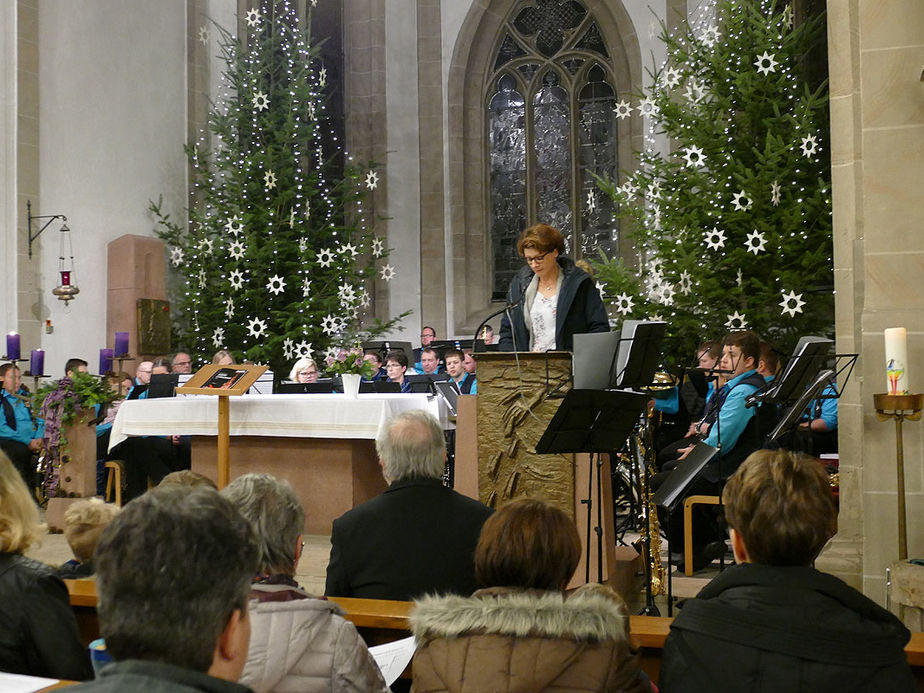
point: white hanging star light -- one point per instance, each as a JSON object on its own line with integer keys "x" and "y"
{"x": 306, "y": 288}
{"x": 269, "y": 178}
{"x": 236, "y": 278}
{"x": 365, "y": 300}
{"x": 204, "y": 35}
{"x": 736, "y": 321}
{"x": 288, "y": 347}
{"x": 741, "y": 201}
{"x": 260, "y": 101}
{"x": 714, "y": 239}
{"x": 648, "y": 107}
{"x": 229, "y": 308}
{"x": 686, "y": 283}
{"x": 218, "y": 337}
{"x": 792, "y": 303}
{"x": 206, "y": 245}
{"x": 276, "y": 285}
{"x": 202, "y": 278}
{"x": 766, "y": 63}
{"x": 739, "y": 278}
{"x": 348, "y": 248}
{"x": 654, "y": 190}
{"x": 775, "y": 193}
{"x": 788, "y": 16}
{"x": 236, "y": 249}
{"x": 756, "y": 242}
{"x": 695, "y": 90}
{"x": 176, "y": 256}
{"x": 591, "y": 201}
{"x": 622, "y": 109}
{"x": 253, "y": 17}
{"x": 667, "y": 294}
{"x": 694, "y": 156}
{"x": 809, "y": 146}
{"x": 234, "y": 225}
{"x": 388, "y": 273}
{"x": 322, "y": 77}
{"x": 325, "y": 257}
{"x": 372, "y": 180}
{"x": 347, "y": 294}
{"x": 710, "y": 36}
{"x": 302, "y": 245}
{"x": 303, "y": 350}
{"x": 670, "y": 78}
{"x": 330, "y": 325}
{"x": 624, "y": 304}
{"x": 378, "y": 247}
{"x": 256, "y": 327}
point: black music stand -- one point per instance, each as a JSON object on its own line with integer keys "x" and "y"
{"x": 592, "y": 421}
{"x": 639, "y": 354}
{"x": 672, "y": 491}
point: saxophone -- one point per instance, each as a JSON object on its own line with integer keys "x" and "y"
{"x": 650, "y": 530}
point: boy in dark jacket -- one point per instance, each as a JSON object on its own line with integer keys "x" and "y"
{"x": 773, "y": 622}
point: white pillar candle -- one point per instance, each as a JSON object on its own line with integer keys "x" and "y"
{"x": 896, "y": 356}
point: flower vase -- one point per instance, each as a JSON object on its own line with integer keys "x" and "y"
{"x": 351, "y": 384}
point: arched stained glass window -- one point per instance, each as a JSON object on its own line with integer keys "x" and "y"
{"x": 551, "y": 119}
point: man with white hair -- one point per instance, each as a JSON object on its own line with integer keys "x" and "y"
{"x": 418, "y": 537}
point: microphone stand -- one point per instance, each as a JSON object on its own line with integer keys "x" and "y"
{"x": 507, "y": 306}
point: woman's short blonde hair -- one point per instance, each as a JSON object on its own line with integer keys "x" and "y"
{"x": 19, "y": 517}
{"x": 219, "y": 355}
{"x": 84, "y": 522}
{"x": 301, "y": 365}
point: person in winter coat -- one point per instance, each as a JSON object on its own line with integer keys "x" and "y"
{"x": 298, "y": 642}
{"x": 772, "y": 622}
{"x": 523, "y": 634}
{"x": 38, "y": 631}
{"x": 551, "y": 298}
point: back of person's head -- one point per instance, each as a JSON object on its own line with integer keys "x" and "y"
{"x": 84, "y": 522}
{"x": 277, "y": 518}
{"x": 411, "y": 446}
{"x": 747, "y": 341}
{"x": 171, "y": 569}
{"x": 781, "y": 504}
{"x": 74, "y": 364}
{"x": 769, "y": 358}
{"x": 528, "y": 544}
{"x": 187, "y": 477}
{"x": 19, "y": 517}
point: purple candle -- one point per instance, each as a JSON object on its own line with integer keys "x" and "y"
{"x": 105, "y": 361}
{"x": 37, "y": 362}
{"x": 12, "y": 346}
{"x": 121, "y": 344}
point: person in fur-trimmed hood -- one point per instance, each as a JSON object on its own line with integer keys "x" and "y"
{"x": 524, "y": 634}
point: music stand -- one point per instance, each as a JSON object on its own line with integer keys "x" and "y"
{"x": 592, "y": 421}
{"x": 799, "y": 373}
{"x": 384, "y": 346}
{"x": 594, "y": 353}
{"x": 790, "y": 418}
{"x": 163, "y": 385}
{"x": 639, "y": 353}
{"x": 671, "y": 492}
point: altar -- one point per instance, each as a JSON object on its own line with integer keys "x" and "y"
{"x": 324, "y": 445}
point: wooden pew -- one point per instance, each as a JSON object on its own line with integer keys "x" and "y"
{"x": 380, "y": 621}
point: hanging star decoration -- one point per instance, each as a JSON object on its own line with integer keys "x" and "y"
{"x": 809, "y": 146}
{"x": 667, "y": 294}
{"x": 755, "y": 242}
{"x": 176, "y": 256}
{"x": 372, "y": 180}
{"x": 302, "y": 245}
{"x": 694, "y": 156}
{"x": 330, "y": 352}
{"x": 347, "y": 294}
{"x": 654, "y": 190}
{"x": 591, "y": 201}
{"x": 365, "y": 300}
{"x": 624, "y": 304}
{"x": 303, "y": 350}
{"x": 306, "y": 288}
{"x": 291, "y": 218}
{"x": 330, "y": 325}
{"x": 695, "y": 90}
{"x": 325, "y": 257}
{"x": 204, "y": 35}
{"x": 736, "y": 321}
{"x": 741, "y": 201}
{"x": 256, "y": 327}
{"x": 378, "y": 247}
{"x": 288, "y": 346}
{"x": 788, "y": 16}
{"x": 388, "y": 273}
{"x": 670, "y": 77}
{"x": 322, "y": 77}
{"x": 348, "y": 248}
{"x": 792, "y": 303}
{"x": 648, "y": 107}
{"x": 622, "y": 109}
{"x": 236, "y": 278}
{"x": 234, "y": 225}
{"x": 739, "y": 278}
{"x": 202, "y": 278}
{"x": 312, "y": 111}
{"x": 218, "y": 337}
{"x": 715, "y": 239}
{"x": 686, "y": 283}
{"x": 766, "y": 63}
{"x": 628, "y": 188}
{"x": 775, "y": 193}
{"x": 710, "y": 36}
{"x": 236, "y": 249}
{"x": 276, "y": 285}
{"x": 270, "y": 179}
{"x": 260, "y": 101}
{"x": 206, "y": 246}
{"x": 229, "y": 309}
{"x": 253, "y": 17}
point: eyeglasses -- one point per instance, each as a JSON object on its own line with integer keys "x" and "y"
{"x": 535, "y": 259}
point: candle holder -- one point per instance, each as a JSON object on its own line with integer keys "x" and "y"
{"x": 122, "y": 359}
{"x": 7, "y": 359}
{"x": 900, "y": 408}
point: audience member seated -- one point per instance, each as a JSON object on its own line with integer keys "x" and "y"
{"x": 84, "y": 522}
{"x": 38, "y": 632}
{"x": 396, "y": 367}
{"x": 187, "y": 477}
{"x": 20, "y": 434}
{"x": 173, "y": 575}
{"x": 181, "y": 363}
{"x": 305, "y": 370}
{"x": 773, "y": 622}
{"x": 418, "y": 536}
{"x": 520, "y": 632}
{"x": 222, "y": 358}
{"x": 427, "y": 335}
{"x": 297, "y": 641}
{"x": 429, "y": 363}
{"x": 467, "y": 382}
{"x": 375, "y": 358}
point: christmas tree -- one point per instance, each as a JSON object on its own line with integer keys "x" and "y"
{"x": 733, "y": 225}
{"x": 278, "y": 257}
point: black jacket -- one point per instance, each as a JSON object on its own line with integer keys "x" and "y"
{"x": 136, "y": 676}
{"x": 417, "y": 538}
{"x": 580, "y": 309}
{"x": 774, "y": 628}
{"x": 38, "y": 631}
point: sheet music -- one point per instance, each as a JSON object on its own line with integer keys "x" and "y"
{"x": 393, "y": 657}
{"x": 16, "y": 683}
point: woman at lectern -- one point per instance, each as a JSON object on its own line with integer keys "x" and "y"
{"x": 550, "y": 299}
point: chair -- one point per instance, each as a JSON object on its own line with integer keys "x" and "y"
{"x": 688, "y": 504}
{"x": 114, "y": 474}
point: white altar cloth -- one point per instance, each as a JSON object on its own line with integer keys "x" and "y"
{"x": 295, "y": 416}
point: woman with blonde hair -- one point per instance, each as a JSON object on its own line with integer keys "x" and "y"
{"x": 305, "y": 370}
{"x": 38, "y": 632}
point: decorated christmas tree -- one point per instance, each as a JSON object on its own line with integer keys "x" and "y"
{"x": 732, "y": 226}
{"x": 278, "y": 257}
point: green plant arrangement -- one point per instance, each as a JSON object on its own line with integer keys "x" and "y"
{"x": 349, "y": 361}
{"x": 61, "y": 403}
